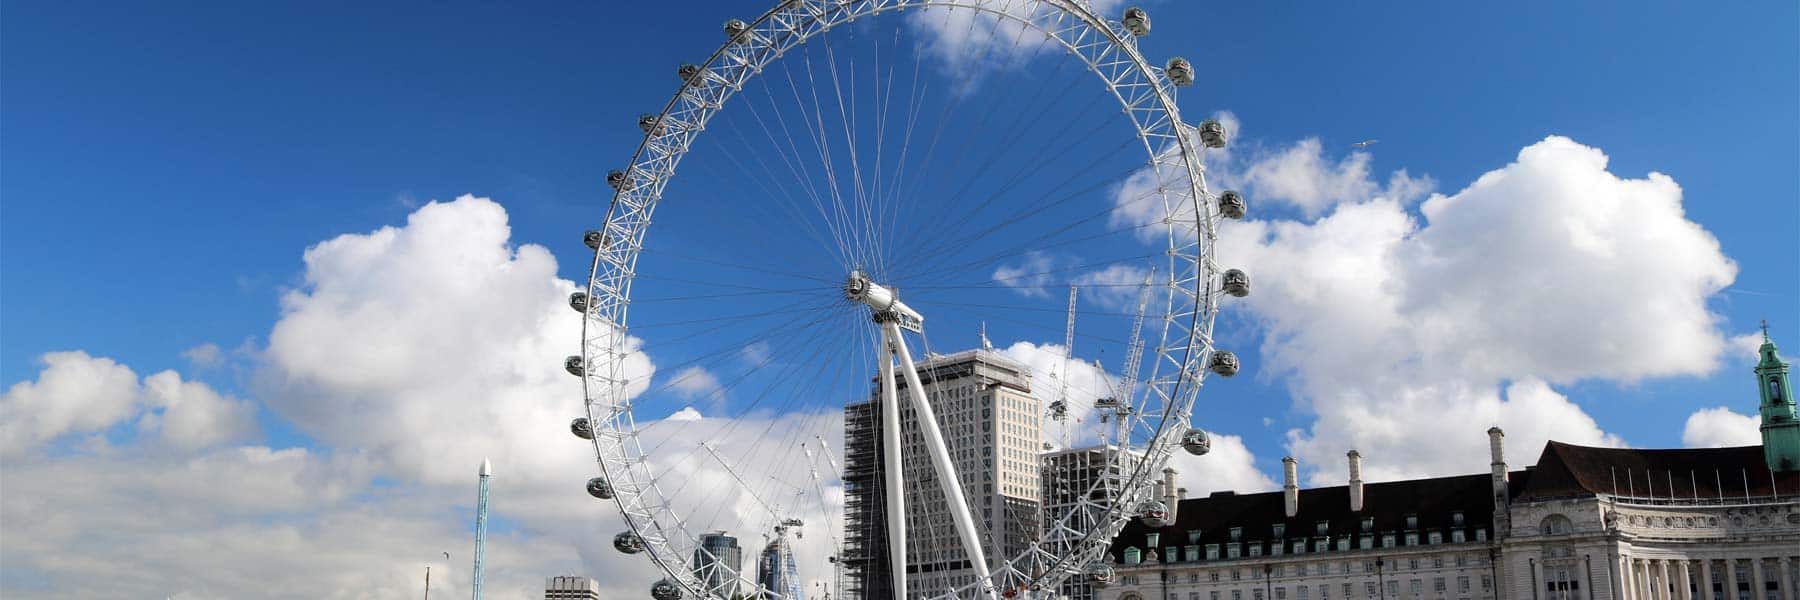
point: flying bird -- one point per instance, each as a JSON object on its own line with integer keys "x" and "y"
{"x": 1363, "y": 144}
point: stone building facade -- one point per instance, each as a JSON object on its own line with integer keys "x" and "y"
{"x": 1583, "y": 523}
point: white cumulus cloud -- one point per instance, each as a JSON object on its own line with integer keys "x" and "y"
{"x": 1720, "y": 427}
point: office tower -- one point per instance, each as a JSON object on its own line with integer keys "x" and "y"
{"x": 717, "y": 562}
{"x": 776, "y": 570}
{"x": 993, "y": 428}
{"x": 571, "y": 587}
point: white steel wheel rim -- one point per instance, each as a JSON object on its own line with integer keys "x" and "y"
{"x": 1176, "y": 361}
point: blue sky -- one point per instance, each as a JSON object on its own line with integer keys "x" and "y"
{"x": 164, "y": 167}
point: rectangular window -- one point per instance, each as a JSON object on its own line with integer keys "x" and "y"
{"x": 1300, "y": 592}
{"x": 1321, "y": 545}
{"x": 1256, "y": 594}
{"x": 1412, "y": 564}
{"x": 1237, "y": 533}
{"x": 1343, "y": 543}
{"x": 1348, "y": 590}
{"x": 1393, "y": 588}
{"x": 1412, "y": 521}
{"x": 1417, "y": 586}
{"x": 1368, "y": 524}
{"x": 1387, "y": 540}
{"x": 1212, "y": 576}
{"x": 1462, "y": 560}
{"x": 1487, "y": 582}
{"x": 1237, "y": 595}
{"x": 1457, "y": 536}
{"x": 1212, "y": 552}
{"x": 1437, "y": 562}
{"x": 1481, "y": 535}
{"x": 1366, "y": 542}
{"x": 1456, "y": 518}
{"x": 1236, "y": 574}
{"x": 1275, "y": 548}
{"x": 1280, "y": 571}
{"x": 1213, "y": 595}
{"x": 1299, "y": 546}
{"x": 1281, "y": 593}
{"x": 1192, "y": 553}
{"x": 1412, "y": 539}
{"x": 1435, "y": 537}
{"x": 1233, "y": 550}
{"x": 1170, "y": 554}
{"x": 1280, "y": 530}
{"x": 1368, "y": 588}
{"x": 1462, "y": 584}
{"x": 1437, "y": 585}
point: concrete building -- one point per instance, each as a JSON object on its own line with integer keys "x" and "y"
{"x": 571, "y": 587}
{"x": 1583, "y": 523}
{"x": 993, "y": 428}
{"x": 1096, "y": 472}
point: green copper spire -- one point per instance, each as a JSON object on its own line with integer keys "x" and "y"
{"x": 1780, "y": 427}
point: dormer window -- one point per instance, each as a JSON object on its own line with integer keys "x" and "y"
{"x": 1368, "y": 524}
{"x": 1456, "y": 518}
{"x": 1412, "y": 521}
{"x": 1151, "y": 539}
{"x": 1322, "y": 527}
{"x": 1237, "y": 533}
{"x": 1280, "y": 530}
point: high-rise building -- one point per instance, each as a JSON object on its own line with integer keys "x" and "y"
{"x": 717, "y": 563}
{"x": 776, "y": 570}
{"x": 571, "y": 587}
{"x": 993, "y": 429}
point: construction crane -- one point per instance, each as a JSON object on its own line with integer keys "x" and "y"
{"x": 1059, "y": 408}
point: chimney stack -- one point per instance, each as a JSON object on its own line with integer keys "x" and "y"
{"x": 1168, "y": 490}
{"x": 1501, "y": 487}
{"x": 1291, "y": 489}
{"x": 1356, "y": 488}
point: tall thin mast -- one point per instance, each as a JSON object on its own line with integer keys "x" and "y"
{"x": 481, "y": 510}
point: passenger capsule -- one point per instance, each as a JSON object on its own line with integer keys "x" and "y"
{"x": 647, "y": 122}
{"x": 1098, "y": 573}
{"x": 579, "y": 301}
{"x": 1107, "y": 402}
{"x": 1137, "y": 21}
{"x": 628, "y": 543}
{"x": 582, "y": 428}
{"x": 1196, "y": 442}
{"x": 1180, "y": 71}
{"x": 1212, "y": 134}
{"x": 618, "y": 180}
{"x": 593, "y": 239}
{"x": 665, "y": 590}
{"x": 1235, "y": 282}
{"x": 1231, "y": 205}
{"x": 1058, "y": 408}
{"x": 1153, "y": 513}
{"x": 690, "y": 73}
{"x": 735, "y": 29}
{"x": 574, "y": 366}
{"x": 1222, "y": 362}
{"x": 599, "y": 488}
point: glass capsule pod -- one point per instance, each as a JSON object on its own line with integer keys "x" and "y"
{"x": 690, "y": 73}
{"x": 1196, "y": 442}
{"x": 1136, "y": 21}
{"x": 1107, "y": 402}
{"x": 618, "y": 180}
{"x": 599, "y": 488}
{"x": 1212, "y": 133}
{"x": 647, "y": 123}
{"x": 582, "y": 428}
{"x": 579, "y": 301}
{"x": 1223, "y": 362}
{"x": 1235, "y": 282}
{"x": 628, "y": 543}
{"x": 735, "y": 30}
{"x": 1232, "y": 205}
{"x": 1153, "y": 513}
{"x": 665, "y": 590}
{"x": 1098, "y": 573}
{"x": 1180, "y": 71}
{"x": 593, "y": 239}
{"x": 574, "y": 366}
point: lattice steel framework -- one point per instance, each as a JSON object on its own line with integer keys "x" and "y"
{"x": 1157, "y": 415}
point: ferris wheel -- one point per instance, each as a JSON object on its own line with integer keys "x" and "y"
{"x": 861, "y": 179}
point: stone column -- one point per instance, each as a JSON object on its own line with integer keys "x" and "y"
{"x": 1756, "y": 579}
{"x": 1684, "y": 581}
{"x": 1787, "y": 579}
{"x": 1627, "y": 587}
{"x": 1731, "y": 592}
{"x": 1537, "y": 579}
{"x": 1706, "y": 580}
{"x": 1662, "y": 580}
